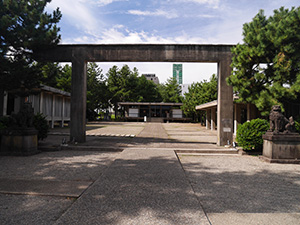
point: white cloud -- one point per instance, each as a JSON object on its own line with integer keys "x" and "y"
{"x": 114, "y": 35}
{"x": 207, "y": 16}
{"x": 107, "y": 2}
{"x": 210, "y": 3}
{"x": 169, "y": 15}
{"x": 77, "y": 12}
{"x": 120, "y": 34}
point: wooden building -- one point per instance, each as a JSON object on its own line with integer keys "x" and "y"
{"x": 152, "y": 111}
{"x": 51, "y": 102}
{"x": 242, "y": 113}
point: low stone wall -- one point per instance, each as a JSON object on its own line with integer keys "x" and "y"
{"x": 19, "y": 142}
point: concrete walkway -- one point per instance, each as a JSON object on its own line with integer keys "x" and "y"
{"x": 140, "y": 187}
{"x": 147, "y": 183}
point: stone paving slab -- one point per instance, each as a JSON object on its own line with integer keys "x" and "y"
{"x": 140, "y": 187}
{"x": 192, "y": 135}
{"x": 154, "y": 130}
{"x": 33, "y": 210}
{"x": 43, "y": 187}
{"x": 245, "y": 190}
{"x": 39, "y": 189}
{"x": 190, "y": 132}
{"x": 147, "y": 135}
{"x": 61, "y": 166}
{"x": 255, "y": 218}
{"x": 113, "y": 129}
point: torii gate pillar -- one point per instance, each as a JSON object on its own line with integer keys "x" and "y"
{"x": 225, "y": 103}
{"x": 78, "y": 96}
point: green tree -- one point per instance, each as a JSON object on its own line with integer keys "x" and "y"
{"x": 24, "y": 28}
{"x": 97, "y": 91}
{"x": 199, "y": 93}
{"x": 114, "y": 85}
{"x": 129, "y": 82}
{"x": 63, "y": 79}
{"x": 266, "y": 68}
{"x": 147, "y": 91}
{"x": 171, "y": 91}
{"x": 122, "y": 85}
{"x": 51, "y": 72}
{"x": 125, "y": 85}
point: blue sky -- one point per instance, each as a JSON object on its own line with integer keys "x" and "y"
{"x": 160, "y": 21}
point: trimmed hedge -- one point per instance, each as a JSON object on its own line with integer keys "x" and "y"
{"x": 249, "y": 134}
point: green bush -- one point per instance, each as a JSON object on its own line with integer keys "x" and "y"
{"x": 249, "y": 134}
{"x": 41, "y": 124}
{"x": 4, "y": 122}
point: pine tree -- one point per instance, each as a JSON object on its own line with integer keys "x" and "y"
{"x": 266, "y": 68}
{"x": 199, "y": 93}
{"x": 171, "y": 91}
{"x": 97, "y": 91}
{"x": 24, "y": 28}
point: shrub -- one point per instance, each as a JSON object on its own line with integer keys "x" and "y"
{"x": 5, "y": 122}
{"x": 249, "y": 134}
{"x": 40, "y": 123}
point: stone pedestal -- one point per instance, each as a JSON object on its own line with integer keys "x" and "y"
{"x": 19, "y": 142}
{"x": 281, "y": 148}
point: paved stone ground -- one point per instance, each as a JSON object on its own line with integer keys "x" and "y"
{"x": 146, "y": 183}
{"x": 115, "y": 129}
{"x": 192, "y": 132}
{"x": 39, "y": 188}
{"x": 146, "y": 135}
{"x": 245, "y": 190}
{"x": 141, "y": 187}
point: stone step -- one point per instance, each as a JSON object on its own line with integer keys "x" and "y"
{"x": 95, "y": 134}
{"x": 207, "y": 151}
{"x": 91, "y": 148}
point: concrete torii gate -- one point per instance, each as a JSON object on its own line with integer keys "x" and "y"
{"x": 79, "y": 55}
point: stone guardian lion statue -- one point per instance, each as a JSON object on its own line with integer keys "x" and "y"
{"x": 279, "y": 123}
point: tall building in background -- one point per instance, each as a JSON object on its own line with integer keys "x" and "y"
{"x": 184, "y": 88}
{"x": 177, "y": 72}
{"x": 151, "y": 77}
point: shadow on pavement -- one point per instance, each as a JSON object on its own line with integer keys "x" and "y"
{"x": 119, "y": 142}
{"x": 229, "y": 185}
{"x": 150, "y": 190}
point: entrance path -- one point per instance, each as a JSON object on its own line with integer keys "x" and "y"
{"x": 145, "y": 135}
{"x": 154, "y": 131}
{"x": 181, "y": 137}
{"x": 147, "y": 182}
{"x": 140, "y": 187}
